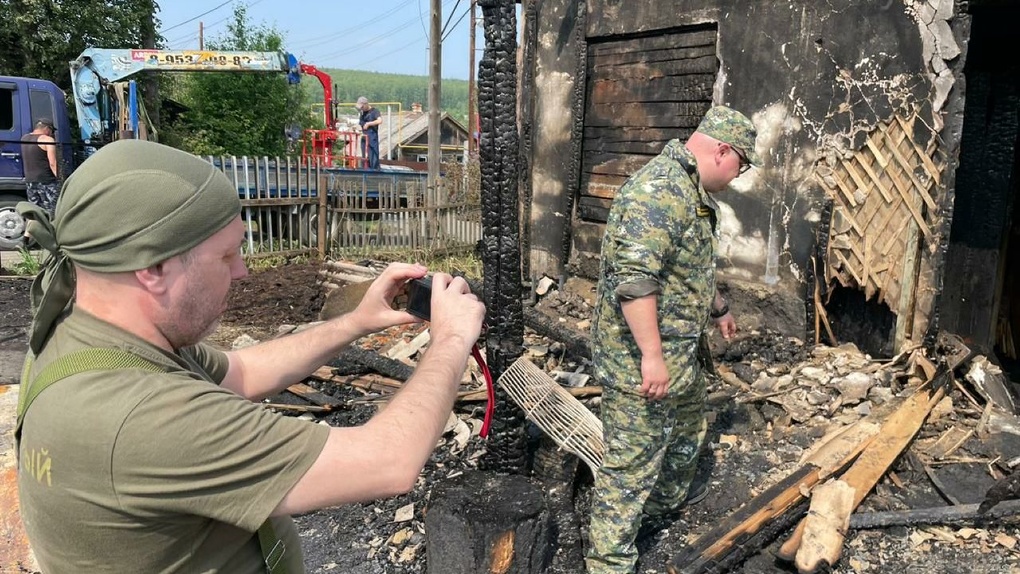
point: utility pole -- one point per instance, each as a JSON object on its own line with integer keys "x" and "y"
{"x": 150, "y": 83}
{"x": 472, "y": 101}
{"x": 201, "y": 35}
{"x": 435, "y": 94}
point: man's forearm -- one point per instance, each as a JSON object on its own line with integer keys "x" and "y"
{"x": 270, "y": 367}
{"x": 416, "y": 416}
{"x": 642, "y": 317}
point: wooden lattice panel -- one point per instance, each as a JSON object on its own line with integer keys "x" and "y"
{"x": 881, "y": 196}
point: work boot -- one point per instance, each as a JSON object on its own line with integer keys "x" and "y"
{"x": 696, "y": 493}
{"x": 653, "y": 524}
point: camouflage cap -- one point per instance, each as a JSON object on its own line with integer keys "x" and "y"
{"x": 732, "y": 127}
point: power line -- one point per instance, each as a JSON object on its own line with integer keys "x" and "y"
{"x": 165, "y": 30}
{"x": 369, "y": 42}
{"x": 207, "y": 27}
{"x": 442, "y": 33}
{"x": 459, "y": 20}
{"x": 391, "y": 52}
{"x": 324, "y": 38}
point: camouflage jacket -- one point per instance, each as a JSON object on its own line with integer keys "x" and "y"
{"x": 659, "y": 239}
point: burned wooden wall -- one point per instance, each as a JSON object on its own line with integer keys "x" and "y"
{"x": 826, "y": 84}
{"x": 641, "y": 93}
{"x": 981, "y": 299}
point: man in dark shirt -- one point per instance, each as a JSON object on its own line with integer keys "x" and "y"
{"x": 369, "y": 121}
{"x": 39, "y": 155}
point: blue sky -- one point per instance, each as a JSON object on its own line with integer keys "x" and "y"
{"x": 380, "y": 35}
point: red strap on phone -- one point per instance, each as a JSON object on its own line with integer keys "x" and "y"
{"x": 490, "y": 405}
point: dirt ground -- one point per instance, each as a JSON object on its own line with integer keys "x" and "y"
{"x": 750, "y": 447}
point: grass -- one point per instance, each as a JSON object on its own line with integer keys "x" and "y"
{"x": 28, "y": 265}
{"x": 256, "y": 264}
{"x": 455, "y": 263}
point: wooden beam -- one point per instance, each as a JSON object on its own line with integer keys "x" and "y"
{"x": 739, "y": 534}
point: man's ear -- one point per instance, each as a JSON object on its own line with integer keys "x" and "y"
{"x": 720, "y": 153}
{"x": 154, "y": 278}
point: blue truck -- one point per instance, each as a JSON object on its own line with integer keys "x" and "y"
{"x": 24, "y": 101}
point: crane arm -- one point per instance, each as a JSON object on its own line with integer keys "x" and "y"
{"x": 96, "y": 68}
{"x": 327, "y": 88}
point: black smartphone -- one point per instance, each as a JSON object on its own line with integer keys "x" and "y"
{"x": 419, "y": 298}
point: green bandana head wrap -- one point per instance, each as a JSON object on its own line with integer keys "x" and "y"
{"x": 130, "y": 206}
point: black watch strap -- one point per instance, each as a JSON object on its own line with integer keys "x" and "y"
{"x": 716, "y": 314}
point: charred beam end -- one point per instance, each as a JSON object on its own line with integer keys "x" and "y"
{"x": 371, "y": 361}
{"x": 486, "y": 522}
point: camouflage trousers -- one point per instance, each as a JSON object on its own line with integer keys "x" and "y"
{"x": 650, "y": 459}
{"x": 44, "y": 195}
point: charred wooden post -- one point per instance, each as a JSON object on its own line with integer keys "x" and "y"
{"x": 488, "y": 522}
{"x": 501, "y": 238}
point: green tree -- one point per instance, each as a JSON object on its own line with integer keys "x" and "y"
{"x": 403, "y": 88}
{"x": 238, "y": 113}
{"x": 39, "y": 37}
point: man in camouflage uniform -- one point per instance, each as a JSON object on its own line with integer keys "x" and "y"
{"x": 656, "y": 292}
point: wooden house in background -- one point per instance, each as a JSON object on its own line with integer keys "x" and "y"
{"x": 403, "y": 137}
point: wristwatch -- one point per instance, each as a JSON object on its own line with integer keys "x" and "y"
{"x": 716, "y": 314}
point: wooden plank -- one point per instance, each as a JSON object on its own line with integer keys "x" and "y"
{"x": 879, "y": 156}
{"x": 587, "y": 236}
{"x": 852, "y": 172}
{"x": 298, "y": 408}
{"x": 702, "y": 58}
{"x": 614, "y": 164}
{"x": 638, "y": 114}
{"x": 312, "y": 395}
{"x": 634, "y": 88}
{"x": 633, "y": 116}
{"x": 904, "y": 308}
{"x": 846, "y": 191}
{"x": 639, "y": 141}
{"x": 909, "y": 170}
{"x": 669, "y": 40}
{"x": 849, "y": 268}
{"x": 600, "y": 188}
{"x": 594, "y": 209}
{"x": 930, "y": 166}
{"x": 825, "y": 525}
{"x": 877, "y": 180}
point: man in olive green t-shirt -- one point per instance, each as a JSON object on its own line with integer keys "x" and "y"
{"x": 172, "y": 467}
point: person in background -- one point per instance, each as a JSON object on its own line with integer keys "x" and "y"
{"x": 656, "y": 294}
{"x": 369, "y": 121}
{"x": 39, "y": 157}
{"x": 141, "y": 449}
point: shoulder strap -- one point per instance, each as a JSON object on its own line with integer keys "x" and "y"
{"x": 105, "y": 359}
{"x": 82, "y": 361}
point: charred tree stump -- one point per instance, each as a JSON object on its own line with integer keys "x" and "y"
{"x": 487, "y": 523}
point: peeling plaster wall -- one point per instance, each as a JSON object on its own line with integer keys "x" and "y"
{"x": 815, "y": 77}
